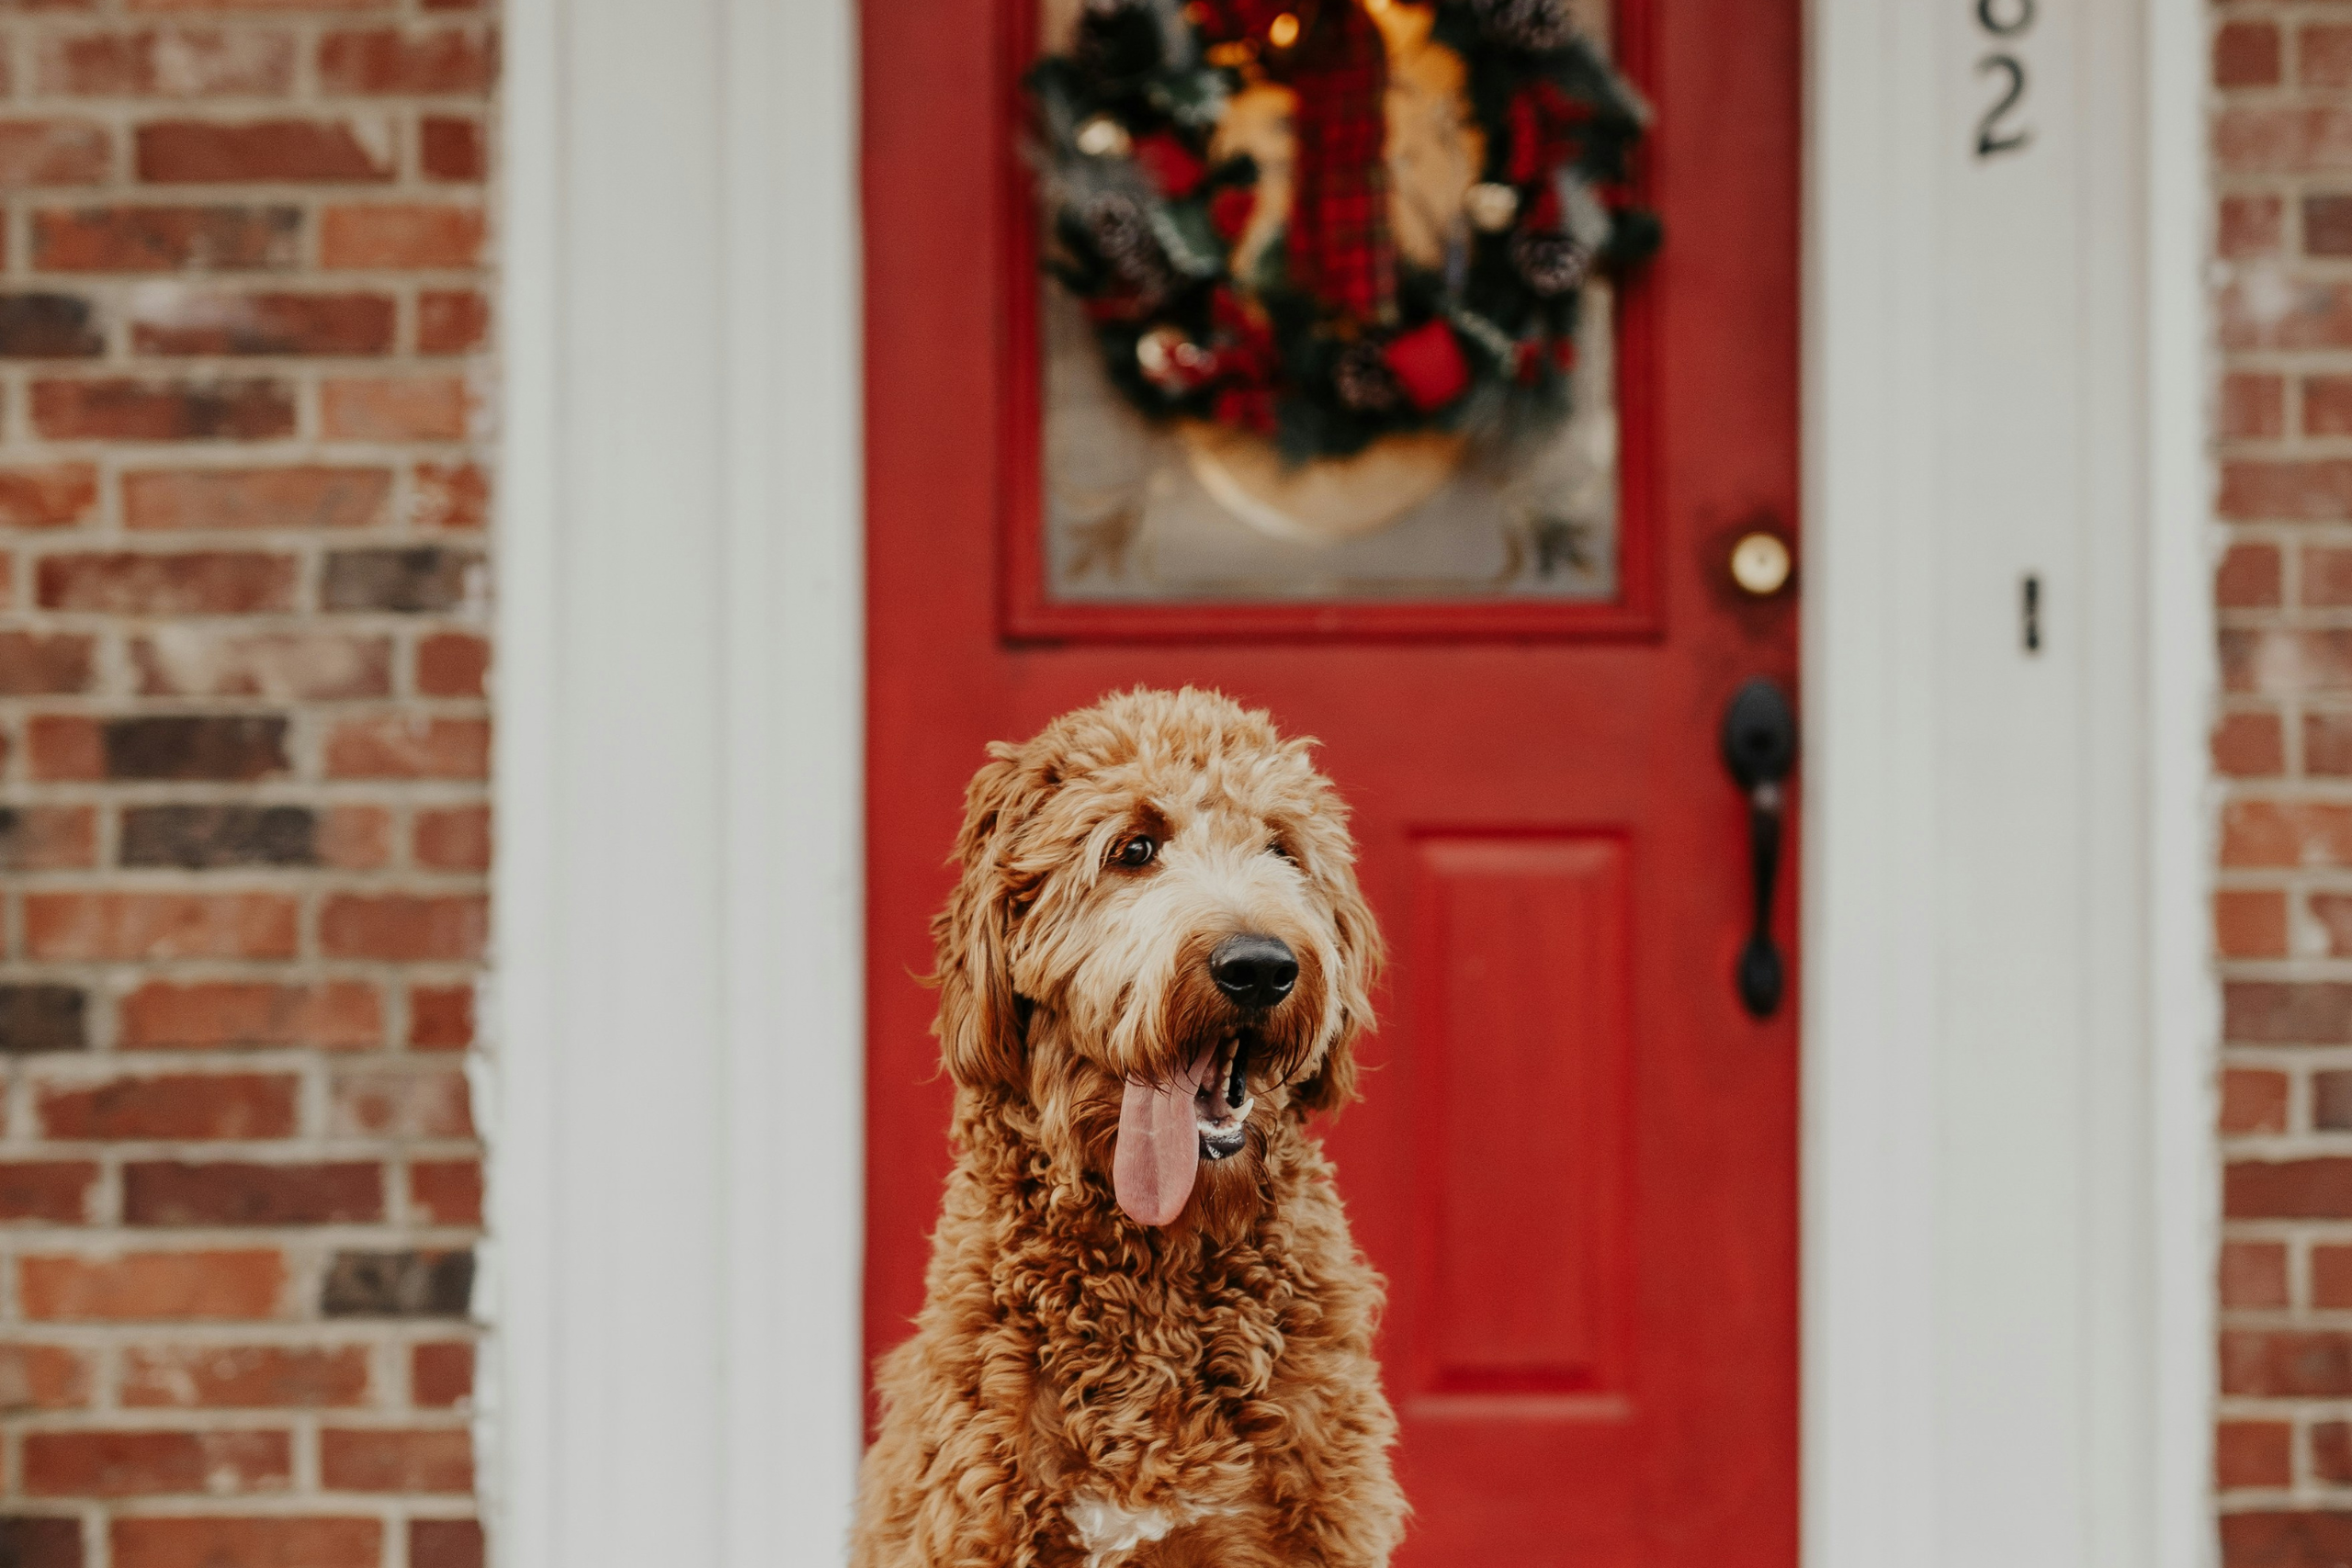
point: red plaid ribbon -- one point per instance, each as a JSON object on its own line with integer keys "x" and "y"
{"x": 1543, "y": 132}
{"x": 1340, "y": 246}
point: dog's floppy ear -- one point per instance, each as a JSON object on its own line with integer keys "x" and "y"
{"x": 1361, "y": 954}
{"x": 979, "y": 1024}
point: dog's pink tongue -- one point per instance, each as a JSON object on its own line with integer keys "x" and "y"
{"x": 1159, "y": 1151}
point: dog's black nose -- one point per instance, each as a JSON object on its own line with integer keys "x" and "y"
{"x": 1255, "y": 971}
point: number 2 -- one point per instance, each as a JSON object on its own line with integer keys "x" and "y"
{"x": 1990, "y": 138}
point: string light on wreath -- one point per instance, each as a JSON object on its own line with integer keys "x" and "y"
{"x": 1333, "y": 339}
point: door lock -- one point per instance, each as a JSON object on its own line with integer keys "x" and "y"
{"x": 1760, "y": 748}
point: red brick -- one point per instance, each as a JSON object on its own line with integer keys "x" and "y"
{"x": 218, "y": 238}
{"x": 394, "y": 408}
{"x": 453, "y": 664}
{"x": 184, "y": 660}
{"x": 446, "y": 1192}
{"x": 2285, "y": 833}
{"x": 452, "y": 496}
{"x": 2315, "y": 491}
{"x": 2327, "y": 224}
{"x": 42, "y": 1377}
{"x": 2287, "y": 1012}
{"x": 400, "y": 747}
{"x": 136, "y": 926}
{"x": 44, "y": 663}
{"x": 2247, "y": 578}
{"x": 450, "y": 147}
{"x": 53, "y": 152}
{"x": 167, "y": 319}
{"x": 263, "y": 1377}
{"x": 2248, "y": 745}
{"x": 213, "y": 1541}
{"x": 405, "y": 927}
{"x": 2332, "y": 1451}
{"x": 127, "y": 409}
{"x": 2246, "y": 54}
{"x": 2323, "y": 56}
{"x": 457, "y": 839}
{"x": 401, "y": 234}
{"x": 2312, "y": 314}
{"x": 2286, "y": 1363}
{"x": 443, "y": 1543}
{"x": 2334, "y": 913}
{"x": 2327, "y": 405}
{"x": 2250, "y": 923}
{"x": 2302, "y": 139}
{"x": 2254, "y": 1275}
{"x": 50, "y": 495}
{"x": 48, "y": 838}
{"x": 2282, "y": 661}
{"x": 168, "y": 62}
{"x": 136, "y": 1464}
{"x": 200, "y": 582}
{"x": 237, "y": 1014}
{"x": 303, "y": 497}
{"x": 355, "y": 838}
{"x": 2332, "y": 1277}
{"x": 2317, "y": 1538}
{"x": 2327, "y": 576}
{"x": 219, "y": 1284}
{"x": 378, "y": 1459}
{"x": 54, "y": 1189}
{"x": 2252, "y": 1453}
{"x": 2288, "y": 1189}
{"x": 393, "y": 59}
{"x": 2250, "y": 226}
{"x": 206, "y": 1106}
{"x": 2253, "y": 1101}
{"x": 65, "y": 747}
{"x": 441, "y": 1375}
{"x": 203, "y": 152}
{"x": 441, "y": 1018}
{"x": 227, "y": 747}
{"x": 2327, "y": 743}
{"x": 389, "y": 1103}
{"x": 2254, "y": 407}
{"x": 208, "y": 7}
{"x": 236, "y": 1192}
{"x": 451, "y": 321}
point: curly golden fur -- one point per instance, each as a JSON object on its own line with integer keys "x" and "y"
{"x": 1082, "y": 1389}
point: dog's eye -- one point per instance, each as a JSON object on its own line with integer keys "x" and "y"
{"x": 1137, "y": 851}
{"x": 1280, "y": 849}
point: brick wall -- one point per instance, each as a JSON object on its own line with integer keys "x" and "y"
{"x": 2283, "y": 151}
{"x": 243, "y": 748}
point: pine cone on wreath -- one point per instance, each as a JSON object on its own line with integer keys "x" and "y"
{"x": 1550, "y": 262}
{"x": 1535, "y": 27}
{"x": 1116, "y": 224}
{"x": 1364, "y": 380}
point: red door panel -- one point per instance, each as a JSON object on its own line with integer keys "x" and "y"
{"x": 1577, "y": 1158}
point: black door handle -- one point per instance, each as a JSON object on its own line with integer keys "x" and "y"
{"x": 1760, "y": 748}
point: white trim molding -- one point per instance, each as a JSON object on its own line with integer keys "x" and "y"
{"x": 2010, "y": 1010}
{"x": 677, "y": 1048}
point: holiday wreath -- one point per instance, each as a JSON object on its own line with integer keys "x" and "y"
{"x": 1327, "y": 338}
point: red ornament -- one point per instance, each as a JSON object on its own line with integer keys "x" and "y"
{"x": 1230, "y": 210}
{"x": 1246, "y": 408}
{"x": 1171, "y": 165}
{"x": 1429, "y": 366}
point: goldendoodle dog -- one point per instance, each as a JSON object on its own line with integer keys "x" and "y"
{"x": 1148, "y": 1336}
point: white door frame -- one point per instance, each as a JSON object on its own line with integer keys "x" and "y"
{"x": 2009, "y": 1008}
{"x": 675, "y": 1047}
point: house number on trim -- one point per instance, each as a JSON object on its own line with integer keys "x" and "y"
{"x": 2004, "y": 20}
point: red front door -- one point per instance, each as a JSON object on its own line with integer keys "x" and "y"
{"x": 1576, "y": 1160}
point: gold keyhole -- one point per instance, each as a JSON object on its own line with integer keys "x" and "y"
{"x": 1760, "y": 564}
